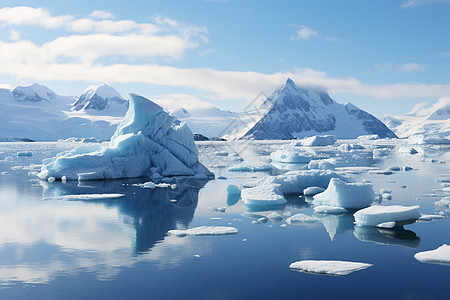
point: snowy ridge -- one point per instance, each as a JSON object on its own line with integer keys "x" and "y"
{"x": 100, "y": 98}
{"x": 34, "y": 93}
{"x": 293, "y": 112}
{"x": 422, "y": 121}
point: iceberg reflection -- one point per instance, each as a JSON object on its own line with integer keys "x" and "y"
{"x": 395, "y": 236}
{"x": 336, "y": 224}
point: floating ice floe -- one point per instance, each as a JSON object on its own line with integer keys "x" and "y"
{"x": 250, "y": 168}
{"x": 443, "y": 204}
{"x": 268, "y": 194}
{"x": 319, "y": 140}
{"x": 147, "y": 137}
{"x": 204, "y": 230}
{"x": 440, "y": 256}
{"x": 346, "y": 195}
{"x": 350, "y": 147}
{"x": 324, "y": 209}
{"x": 321, "y": 164}
{"x": 294, "y": 182}
{"x": 431, "y": 217}
{"x": 217, "y": 209}
{"x": 275, "y": 216}
{"x": 377, "y": 153}
{"x": 9, "y": 158}
{"x": 25, "y": 153}
{"x": 312, "y": 190}
{"x": 301, "y": 219}
{"x": 91, "y": 196}
{"x": 290, "y": 156}
{"x": 328, "y": 267}
{"x": 375, "y": 215}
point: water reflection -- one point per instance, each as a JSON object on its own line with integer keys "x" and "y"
{"x": 336, "y": 224}
{"x": 146, "y": 214}
{"x": 395, "y": 236}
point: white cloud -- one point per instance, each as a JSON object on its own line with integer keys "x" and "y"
{"x": 14, "y": 35}
{"x": 101, "y": 14}
{"x": 304, "y": 33}
{"x": 28, "y": 16}
{"x": 422, "y": 109}
{"x": 174, "y": 101}
{"x": 410, "y": 67}
{"x": 444, "y": 54}
{"x": 415, "y": 3}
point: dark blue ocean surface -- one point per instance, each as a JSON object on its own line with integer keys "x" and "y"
{"x": 55, "y": 248}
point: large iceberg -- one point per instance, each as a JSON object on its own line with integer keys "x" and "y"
{"x": 347, "y": 195}
{"x": 147, "y": 141}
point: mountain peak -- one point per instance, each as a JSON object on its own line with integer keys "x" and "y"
{"x": 34, "y": 93}
{"x": 99, "y": 98}
{"x": 289, "y": 81}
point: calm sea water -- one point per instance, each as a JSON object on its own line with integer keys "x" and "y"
{"x": 51, "y": 248}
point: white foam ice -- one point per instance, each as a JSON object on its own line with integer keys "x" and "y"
{"x": 347, "y": 195}
{"x": 328, "y": 267}
{"x": 204, "y": 230}
{"x": 440, "y": 256}
{"x": 375, "y": 215}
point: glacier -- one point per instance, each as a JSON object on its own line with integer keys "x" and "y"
{"x": 147, "y": 140}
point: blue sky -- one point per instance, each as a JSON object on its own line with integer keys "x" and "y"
{"x": 383, "y": 56}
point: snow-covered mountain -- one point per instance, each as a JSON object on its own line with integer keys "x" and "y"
{"x": 35, "y": 112}
{"x": 422, "y": 120}
{"x": 292, "y": 112}
{"x": 102, "y": 97}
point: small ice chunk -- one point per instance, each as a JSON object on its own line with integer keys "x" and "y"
{"x": 91, "y": 196}
{"x": 319, "y": 140}
{"x": 374, "y": 215}
{"x": 283, "y": 225}
{"x": 386, "y": 196}
{"x": 394, "y": 168}
{"x": 263, "y": 195}
{"x": 431, "y": 217}
{"x": 301, "y": 218}
{"x": 324, "y": 209}
{"x": 312, "y": 190}
{"x": 275, "y": 216}
{"x": 51, "y": 179}
{"x": 63, "y": 179}
{"x": 328, "y": 267}
{"x": 406, "y": 168}
{"x": 221, "y": 153}
{"x": 383, "y": 191}
{"x": 233, "y": 189}
{"x": 25, "y": 153}
{"x": 290, "y": 156}
{"x": 250, "y": 168}
{"x": 386, "y": 225}
{"x": 9, "y": 158}
{"x": 262, "y": 220}
{"x": 346, "y": 195}
{"x": 204, "y": 230}
{"x": 440, "y": 256}
{"x": 149, "y": 185}
{"x": 217, "y": 209}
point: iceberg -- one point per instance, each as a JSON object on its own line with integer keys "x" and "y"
{"x": 204, "y": 230}
{"x": 346, "y": 195}
{"x": 328, "y": 267}
{"x": 290, "y": 156}
{"x": 375, "y": 215}
{"x": 319, "y": 140}
{"x": 146, "y": 138}
{"x": 440, "y": 256}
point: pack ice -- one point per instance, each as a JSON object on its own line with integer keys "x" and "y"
{"x": 376, "y": 215}
{"x": 147, "y": 138}
{"x": 346, "y": 195}
{"x": 328, "y": 267}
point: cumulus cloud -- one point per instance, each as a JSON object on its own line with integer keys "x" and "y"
{"x": 303, "y": 33}
{"x": 101, "y": 14}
